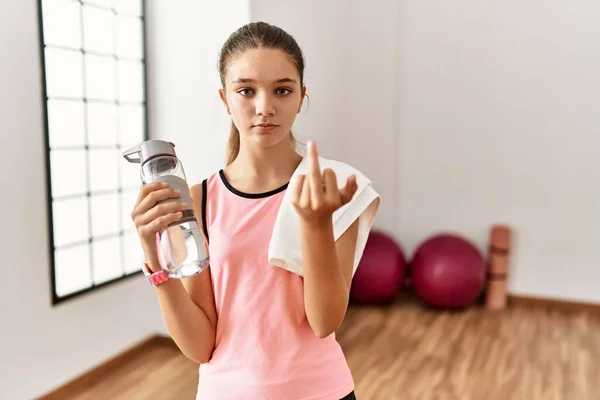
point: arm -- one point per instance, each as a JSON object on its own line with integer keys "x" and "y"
{"x": 188, "y": 305}
{"x": 327, "y": 275}
{"x": 327, "y": 265}
{"x": 188, "y": 317}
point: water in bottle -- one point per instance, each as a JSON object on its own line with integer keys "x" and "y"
{"x": 182, "y": 251}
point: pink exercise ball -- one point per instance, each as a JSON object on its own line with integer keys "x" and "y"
{"x": 380, "y": 273}
{"x": 447, "y": 272}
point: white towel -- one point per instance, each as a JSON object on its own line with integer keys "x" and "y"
{"x": 285, "y": 250}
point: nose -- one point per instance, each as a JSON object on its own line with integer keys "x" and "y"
{"x": 265, "y": 105}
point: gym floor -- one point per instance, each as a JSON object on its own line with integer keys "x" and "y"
{"x": 405, "y": 352}
{"x": 522, "y": 353}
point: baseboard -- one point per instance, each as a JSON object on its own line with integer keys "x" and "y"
{"x": 90, "y": 378}
{"x": 568, "y": 306}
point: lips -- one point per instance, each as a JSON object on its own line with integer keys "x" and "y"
{"x": 266, "y": 127}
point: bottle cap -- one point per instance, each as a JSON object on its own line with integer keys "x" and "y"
{"x": 150, "y": 149}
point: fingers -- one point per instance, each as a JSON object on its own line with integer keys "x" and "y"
{"x": 146, "y": 189}
{"x": 149, "y": 217}
{"x": 301, "y": 192}
{"x": 348, "y": 191}
{"x": 330, "y": 183}
{"x": 316, "y": 193}
{"x": 305, "y": 196}
{"x": 315, "y": 177}
{"x": 153, "y": 197}
{"x": 297, "y": 189}
{"x": 159, "y": 211}
{"x": 314, "y": 170}
{"x": 159, "y": 224}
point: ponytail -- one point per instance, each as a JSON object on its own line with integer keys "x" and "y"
{"x": 233, "y": 146}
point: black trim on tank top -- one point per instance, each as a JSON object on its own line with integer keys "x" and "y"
{"x": 349, "y": 396}
{"x": 250, "y": 195}
{"x": 204, "y": 225}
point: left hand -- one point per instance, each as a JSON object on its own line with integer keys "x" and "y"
{"x": 316, "y": 196}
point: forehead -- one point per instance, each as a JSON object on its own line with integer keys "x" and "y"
{"x": 262, "y": 65}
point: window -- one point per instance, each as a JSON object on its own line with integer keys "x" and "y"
{"x": 94, "y": 83}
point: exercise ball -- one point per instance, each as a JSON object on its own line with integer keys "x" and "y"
{"x": 447, "y": 272}
{"x": 380, "y": 273}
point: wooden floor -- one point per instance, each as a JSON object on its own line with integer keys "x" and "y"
{"x": 524, "y": 353}
{"x": 406, "y": 351}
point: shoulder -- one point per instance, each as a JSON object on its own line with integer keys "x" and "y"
{"x": 199, "y": 199}
{"x": 197, "y": 189}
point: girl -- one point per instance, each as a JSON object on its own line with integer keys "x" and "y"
{"x": 259, "y": 331}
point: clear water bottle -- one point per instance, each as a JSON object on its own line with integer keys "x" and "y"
{"x": 181, "y": 249}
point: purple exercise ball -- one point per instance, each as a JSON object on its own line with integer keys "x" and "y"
{"x": 447, "y": 272}
{"x": 380, "y": 273}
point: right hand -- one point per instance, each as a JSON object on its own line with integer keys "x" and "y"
{"x": 150, "y": 219}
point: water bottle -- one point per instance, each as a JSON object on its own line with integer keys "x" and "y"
{"x": 181, "y": 250}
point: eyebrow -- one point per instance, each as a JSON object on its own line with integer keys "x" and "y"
{"x": 248, "y": 80}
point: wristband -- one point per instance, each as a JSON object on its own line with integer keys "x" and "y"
{"x": 154, "y": 278}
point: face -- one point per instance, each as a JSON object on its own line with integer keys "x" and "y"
{"x": 263, "y": 96}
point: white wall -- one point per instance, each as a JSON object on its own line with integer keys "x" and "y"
{"x": 184, "y": 104}
{"x": 52, "y": 345}
{"x": 349, "y": 51}
{"x": 319, "y": 39}
{"x": 499, "y": 121}
{"x": 442, "y": 96}
{"x": 42, "y": 346}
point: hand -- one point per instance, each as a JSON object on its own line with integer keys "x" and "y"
{"x": 316, "y": 196}
{"x": 150, "y": 219}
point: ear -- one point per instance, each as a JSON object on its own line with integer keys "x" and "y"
{"x": 224, "y": 99}
{"x": 302, "y": 99}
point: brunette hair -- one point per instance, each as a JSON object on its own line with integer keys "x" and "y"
{"x": 256, "y": 35}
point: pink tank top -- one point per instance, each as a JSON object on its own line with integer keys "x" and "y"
{"x": 265, "y": 348}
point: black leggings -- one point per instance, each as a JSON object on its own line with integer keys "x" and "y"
{"x": 351, "y": 396}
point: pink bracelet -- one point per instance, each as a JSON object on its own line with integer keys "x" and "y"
{"x": 155, "y": 278}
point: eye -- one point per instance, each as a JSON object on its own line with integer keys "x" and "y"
{"x": 245, "y": 92}
{"x": 283, "y": 91}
